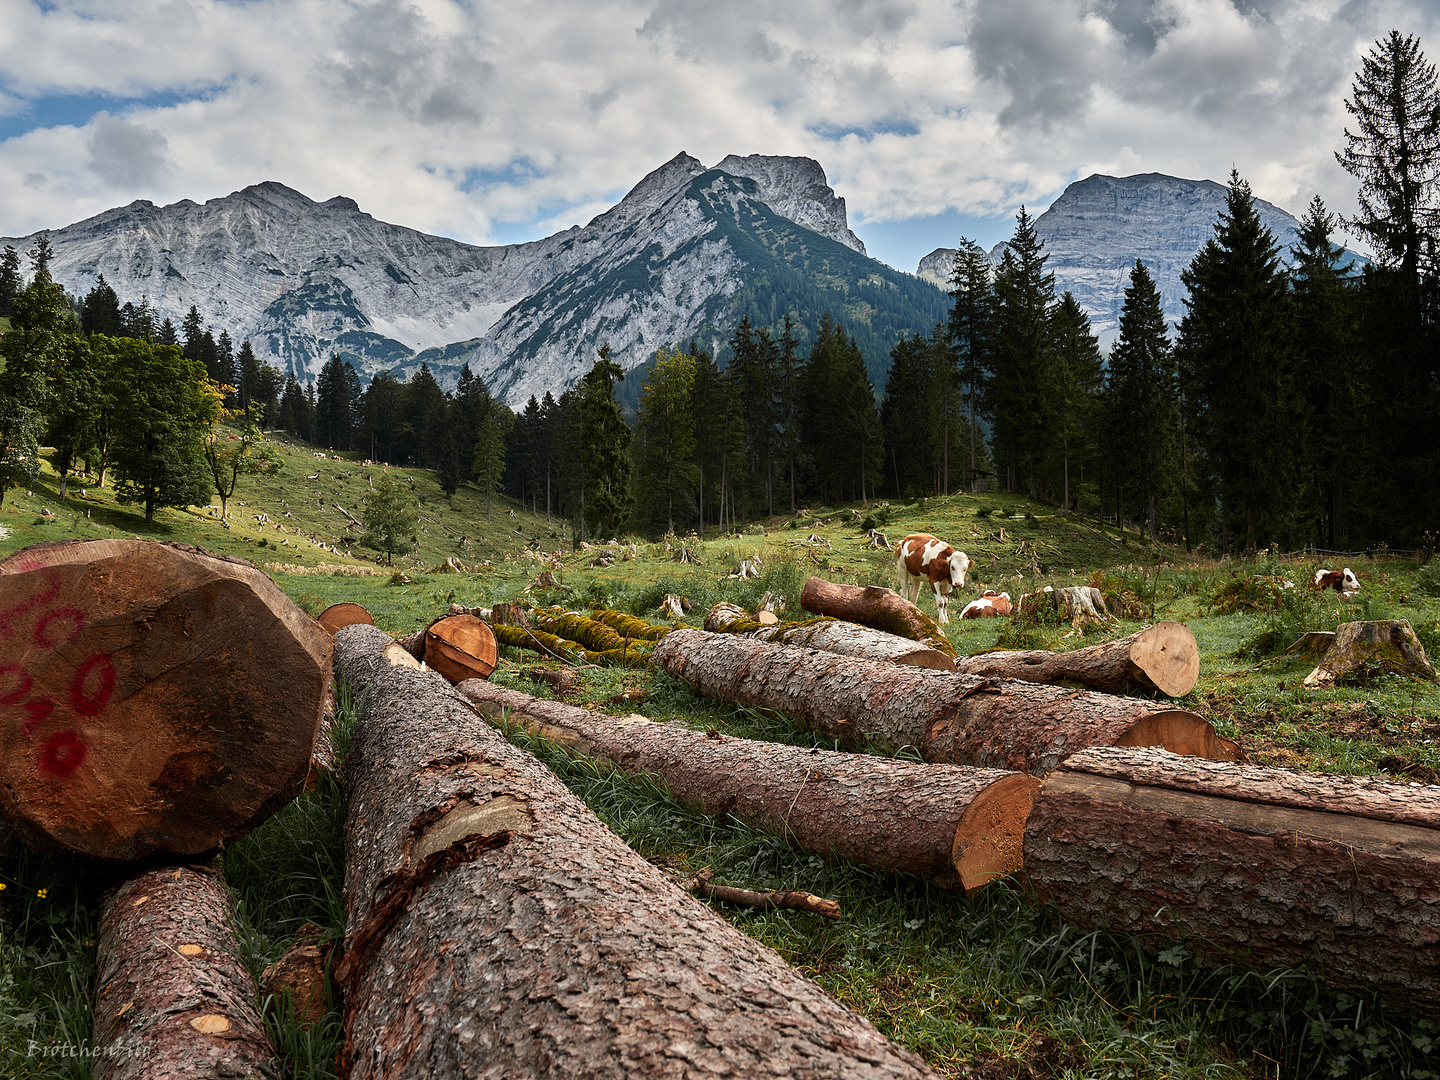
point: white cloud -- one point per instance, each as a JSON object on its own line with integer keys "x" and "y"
{"x": 451, "y": 116}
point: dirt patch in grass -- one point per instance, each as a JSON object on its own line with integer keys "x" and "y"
{"x": 1042, "y": 1057}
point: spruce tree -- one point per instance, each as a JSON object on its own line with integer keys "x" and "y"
{"x": 604, "y": 449}
{"x": 719, "y": 435}
{"x": 1079, "y": 381}
{"x": 664, "y": 446}
{"x": 391, "y": 518}
{"x": 1238, "y": 367}
{"x": 100, "y": 310}
{"x": 971, "y": 330}
{"x": 10, "y": 281}
{"x": 842, "y": 424}
{"x": 906, "y": 415}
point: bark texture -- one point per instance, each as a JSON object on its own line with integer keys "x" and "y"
{"x": 901, "y": 816}
{"x": 154, "y": 698}
{"x": 1388, "y": 645}
{"x": 960, "y": 719}
{"x": 1161, "y": 658}
{"x": 870, "y": 605}
{"x": 1267, "y": 865}
{"x": 832, "y": 635}
{"x": 496, "y": 928}
{"x": 172, "y": 997}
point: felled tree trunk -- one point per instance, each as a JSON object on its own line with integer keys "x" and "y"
{"x": 1267, "y": 865}
{"x": 154, "y": 698}
{"x": 1163, "y": 658}
{"x": 832, "y": 635}
{"x": 494, "y": 923}
{"x": 870, "y": 605}
{"x": 1388, "y": 646}
{"x": 460, "y": 647}
{"x": 961, "y": 719}
{"x": 172, "y": 997}
{"x": 958, "y": 826}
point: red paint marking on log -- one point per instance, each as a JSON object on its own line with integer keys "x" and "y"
{"x": 41, "y": 637}
{"x": 11, "y": 614}
{"x": 37, "y": 710}
{"x": 84, "y": 702}
{"x": 63, "y": 753}
{"x": 23, "y": 685}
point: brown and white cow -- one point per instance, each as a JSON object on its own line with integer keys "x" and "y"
{"x": 921, "y": 558}
{"x": 1342, "y": 581}
{"x": 988, "y": 605}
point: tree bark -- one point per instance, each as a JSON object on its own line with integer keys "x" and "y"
{"x": 172, "y": 997}
{"x": 832, "y": 635}
{"x": 154, "y": 698}
{"x": 1267, "y": 865}
{"x": 870, "y": 605}
{"x": 960, "y": 719}
{"x": 1387, "y": 646}
{"x": 960, "y": 827}
{"x": 496, "y": 927}
{"x": 1162, "y": 658}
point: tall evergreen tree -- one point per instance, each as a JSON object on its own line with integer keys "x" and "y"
{"x": 1239, "y": 368}
{"x": 488, "y": 463}
{"x": 1141, "y": 394}
{"x": 333, "y": 420}
{"x": 664, "y": 445}
{"x": 10, "y": 281}
{"x": 604, "y": 450}
{"x": 424, "y": 416}
{"x": 1079, "y": 382}
{"x": 842, "y": 424}
{"x": 100, "y": 310}
{"x": 971, "y": 330}
{"x": 1023, "y": 382}
{"x": 906, "y": 418}
{"x": 719, "y": 435}
{"x": 755, "y": 375}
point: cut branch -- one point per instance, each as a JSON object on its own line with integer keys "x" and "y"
{"x": 832, "y": 635}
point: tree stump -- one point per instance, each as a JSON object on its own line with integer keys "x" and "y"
{"x": 460, "y": 647}
{"x": 1388, "y": 646}
{"x": 172, "y": 996}
{"x": 832, "y": 635}
{"x": 960, "y": 827}
{"x": 959, "y": 719}
{"x": 494, "y": 922}
{"x": 1162, "y": 658}
{"x": 870, "y": 605}
{"x": 1265, "y": 865}
{"x": 154, "y": 698}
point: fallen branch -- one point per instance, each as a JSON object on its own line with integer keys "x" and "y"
{"x": 700, "y": 885}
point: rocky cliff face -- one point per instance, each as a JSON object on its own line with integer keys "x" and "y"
{"x": 303, "y": 280}
{"x": 1100, "y": 225}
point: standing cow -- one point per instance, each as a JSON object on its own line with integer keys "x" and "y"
{"x": 921, "y": 558}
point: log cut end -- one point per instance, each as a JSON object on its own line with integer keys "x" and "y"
{"x": 990, "y": 840}
{"x": 1167, "y": 655}
{"x": 460, "y": 647}
{"x": 340, "y": 615}
{"x": 1181, "y": 732}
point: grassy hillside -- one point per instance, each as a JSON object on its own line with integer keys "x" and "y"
{"x": 995, "y": 987}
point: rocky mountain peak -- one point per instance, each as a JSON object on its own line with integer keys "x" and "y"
{"x": 796, "y": 188}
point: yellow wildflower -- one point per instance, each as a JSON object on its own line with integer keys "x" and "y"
{"x": 41, "y": 893}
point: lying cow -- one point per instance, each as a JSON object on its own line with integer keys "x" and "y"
{"x": 1342, "y": 581}
{"x": 921, "y": 558}
{"x": 987, "y": 605}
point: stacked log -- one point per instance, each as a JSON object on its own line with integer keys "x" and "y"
{"x": 1158, "y": 659}
{"x": 491, "y": 917}
{"x": 960, "y": 827}
{"x": 154, "y": 698}
{"x": 958, "y": 719}
{"x": 1266, "y": 865}
{"x": 881, "y": 609}
{"x": 832, "y": 635}
{"x": 172, "y": 997}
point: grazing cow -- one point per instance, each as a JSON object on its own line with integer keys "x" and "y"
{"x": 1342, "y": 581}
{"x": 987, "y": 605}
{"x": 921, "y": 558}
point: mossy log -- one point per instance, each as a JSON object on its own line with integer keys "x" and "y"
{"x": 557, "y": 648}
{"x": 1265, "y": 865}
{"x": 628, "y": 626}
{"x": 496, "y": 927}
{"x": 1161, "y": 658}
{"x": 960, "y": 827}
{"x": 595, "y": 636}
{"x": 832, "y": 635}
{"x": 1388, "y": 646}
{"x": 172, "y": 996}
{"x": 960, "y": 719}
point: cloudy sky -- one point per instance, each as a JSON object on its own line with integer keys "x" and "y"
{"x": 495, "y": 120}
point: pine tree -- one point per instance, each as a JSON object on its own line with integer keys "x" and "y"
{"x": 971, "y": 331}
{"x": 719, "y": 435}
{"x": 1023, "y": 383}
{"x": 842, "y": 424}
{"x": 424, "y": 414}
{"x": 906, "y": 418}
{"x": 333, "y": 420}
{"x": 391, "y": 518}
{"x": 10, "y": 282}
{"x": 488, "y": 461}
{"x": 604, "y": 450}
{"x": 1080, "y": 379}
{"x": 1141, "y": 395}
{"x": 100, "y": 310}
{"x": 1239, "y": 374}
